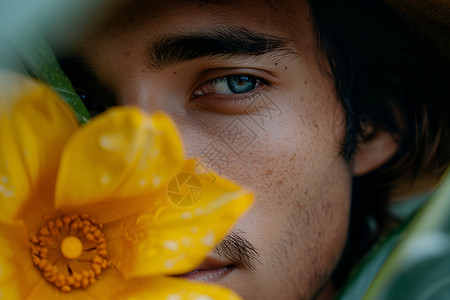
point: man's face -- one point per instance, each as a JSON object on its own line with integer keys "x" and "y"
{"x": 251, "y": 95}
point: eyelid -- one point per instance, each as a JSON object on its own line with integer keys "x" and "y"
{"x": 229, "y": 103}
{"x": 261, "y": 81}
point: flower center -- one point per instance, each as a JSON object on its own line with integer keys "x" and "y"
{"x": 70, "y": 251}
{"x": 71, "y": 247}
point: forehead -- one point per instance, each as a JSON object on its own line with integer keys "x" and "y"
{"x": 284, "y": 18}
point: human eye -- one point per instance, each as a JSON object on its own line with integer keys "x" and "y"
{"x": 95, "y": 96}
{"x": 231, "y": 84}
{"x": 229, "y": 93}
{"x": 91, "y": 102}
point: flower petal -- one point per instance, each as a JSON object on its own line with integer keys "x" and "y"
{"x": 34, "y": 127}
{"x": 172, "y": 289}
{"x": 110, "y": 281}
{"x": 44, "y": 290}
{"x": 17, "y": 273}
{"x": 114, "y": 165}
{"x": 174, "y": 239}
{"x": 104, "y": 288}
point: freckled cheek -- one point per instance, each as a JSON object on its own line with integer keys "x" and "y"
{"x": 295, "y": 170}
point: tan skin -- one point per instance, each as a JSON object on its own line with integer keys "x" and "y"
{"x": 302, "y": 183}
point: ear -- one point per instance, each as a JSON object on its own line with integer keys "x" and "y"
{"x": 374, "y": 151}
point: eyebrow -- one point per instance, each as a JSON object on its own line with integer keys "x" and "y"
{"x": 220, "y": 42}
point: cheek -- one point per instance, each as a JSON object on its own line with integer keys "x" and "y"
{"x": 306, "y": 231}
{"x": 300, "y": 218}
{"x": 302, "y": 184}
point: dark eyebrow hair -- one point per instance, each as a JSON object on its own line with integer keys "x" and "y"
{"x": 224, "y": 41}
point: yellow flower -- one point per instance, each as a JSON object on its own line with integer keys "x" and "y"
{"x": 85, "y": 212}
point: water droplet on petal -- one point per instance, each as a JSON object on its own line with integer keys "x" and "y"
{"x": 129, "y": 237}
{"x": 173, "y": 297}
{"x": 186, "y": 215}
{"x": 171, "y": 245}
{"x": 203, "y": 298}
{"x": 112, "y": 142}
{"x": 7, "y": 193}
{"x": 156, "y": 180}
{"x": 4, "y": 179}
{"x": 142, "y": 182}
{"x": 145, "y": 219}
{"x": 105, "y": 179}
{"x": 208, "y": 240}
{"x": 169, "y": 264}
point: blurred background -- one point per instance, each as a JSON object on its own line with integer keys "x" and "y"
{"x": 411, "y": 262}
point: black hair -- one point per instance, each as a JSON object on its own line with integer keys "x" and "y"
{"x": 387, "y": 78}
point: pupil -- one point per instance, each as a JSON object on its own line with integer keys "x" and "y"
{"x": 241, "y": 84}
{"x": 92, "y": 103}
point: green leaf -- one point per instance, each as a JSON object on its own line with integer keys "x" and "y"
{"x": 361, "y": 278}
{"x": 419, "y": 266}
{"x": 40, "y": 60}
{"x": 413, "y": 262}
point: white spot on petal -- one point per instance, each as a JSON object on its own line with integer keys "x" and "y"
{"x": 199, "y": 211}
{"x": 186, "y": 241}
{"x": 112, "y": 142}
{"x": 104, "y": 142}
{"x": 7, "y": 193}
{"x": 203, "y": 298}
{"x": 156, "y": 180}
{"x": 208, "y": 240}
{"x": 4, "y": 179}
{"x": 169, "y": 264}
{"x": 194, "y": 230}
{"x": 142, "y": 182}
{"x": 173, "y": 297}
{"x": 105, "y": 179}
{"x": 171, "y": 245}
{"x": 186, "y": 215}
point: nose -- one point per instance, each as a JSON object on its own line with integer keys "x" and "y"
{"x": 145, "y": 96}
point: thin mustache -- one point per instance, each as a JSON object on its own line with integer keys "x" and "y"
{"x": 238, "y": 250}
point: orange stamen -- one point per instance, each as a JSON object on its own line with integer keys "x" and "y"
{"x": 60, "y": 242}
